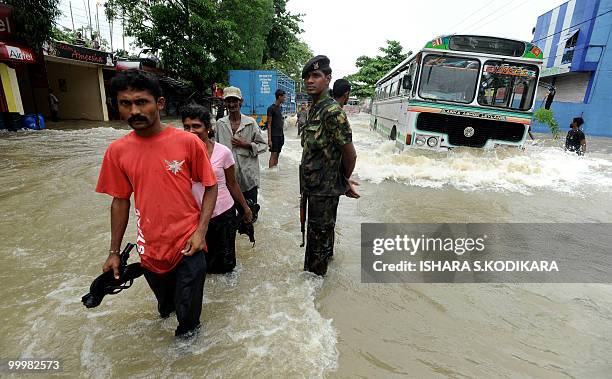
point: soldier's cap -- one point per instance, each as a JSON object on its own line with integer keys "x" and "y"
{"x": 232, "y": 92}
{"x": 320, "y": 62}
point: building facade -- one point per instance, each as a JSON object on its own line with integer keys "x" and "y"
{"x": 576, "y": 40}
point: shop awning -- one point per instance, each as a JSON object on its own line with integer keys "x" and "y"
{"x": 14, "y": 53}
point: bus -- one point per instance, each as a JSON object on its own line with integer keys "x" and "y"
{"x": 459, "y": 90}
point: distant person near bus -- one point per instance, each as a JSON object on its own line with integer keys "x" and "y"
{"x": 276, "y": 135}
{"x": 221, "y": 235}
{"x": 157, "y": 163}
{"x": 575, "y": 140}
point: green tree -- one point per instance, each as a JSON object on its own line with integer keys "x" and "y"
{"x": 282, "y": 36}
{"x": 34, "y": 20}
{"x": 291, "y": 63}
{"x": 371, "y": 69}
{"x": 546, "y": 117}
{"x": 68, "y": 35}
{"x": 199, "y": 40}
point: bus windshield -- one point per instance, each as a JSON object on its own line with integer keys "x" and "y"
{"x": 449, "y": 78}
{"x": 507, "y": 85}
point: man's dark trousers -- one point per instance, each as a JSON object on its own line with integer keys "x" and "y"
{"x": 181, "y": 290}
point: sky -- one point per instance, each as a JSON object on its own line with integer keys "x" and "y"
{"x": 344, "y": 29}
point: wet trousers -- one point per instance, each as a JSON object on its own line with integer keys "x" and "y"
{"x": 181, "y": 290}
{"x": 322, "y": 212}
{"x": 221, "y": 242}
{"x": 251, "y": 195}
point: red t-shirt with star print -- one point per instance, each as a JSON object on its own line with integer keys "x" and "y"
{"x": 159, "y": 171}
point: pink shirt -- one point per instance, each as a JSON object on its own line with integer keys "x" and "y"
{"x": 220, "y": 160}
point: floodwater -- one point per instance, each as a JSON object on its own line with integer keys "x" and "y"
{"x": 269, "y": 319}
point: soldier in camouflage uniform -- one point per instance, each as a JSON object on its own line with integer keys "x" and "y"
{"x": 328, "y": 160}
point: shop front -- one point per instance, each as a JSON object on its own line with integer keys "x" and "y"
{"x": 75, "y": 75}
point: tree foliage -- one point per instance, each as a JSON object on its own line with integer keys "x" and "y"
{"x": 546, "y": 117}
{"x": 291, "y": 63}
{"x": 200, "y": 40}
{"x": 371, "y": 69}
{"x": 68, "y": 35}
{"x": 281, "y": 38}
{"x": 34, "y": 20}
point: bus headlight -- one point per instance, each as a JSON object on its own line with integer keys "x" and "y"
{"x": 432, "y": 141}
{"x": 419, "y": 140}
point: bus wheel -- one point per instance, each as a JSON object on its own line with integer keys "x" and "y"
{"x": 393, "y": 134}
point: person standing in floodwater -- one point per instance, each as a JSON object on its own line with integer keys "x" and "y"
{"x": 328, "y": 160}
{"x": 158, "y": 163}
{"x": 341, "y": 91}
{"x": 276, "y": 134}
{"x": 242, "y": 135}
{"x": 221, "y": 236}
{"x": 575, "y": 140}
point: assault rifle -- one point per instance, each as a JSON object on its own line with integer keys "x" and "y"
{"x": 106, "y": 284}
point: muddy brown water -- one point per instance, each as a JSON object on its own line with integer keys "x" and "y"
{"x": 269, "y": 319}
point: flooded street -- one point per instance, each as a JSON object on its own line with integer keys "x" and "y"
{"x": 270, "y": 319}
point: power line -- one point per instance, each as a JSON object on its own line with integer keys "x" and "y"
{"x": 490, "y": 14}
{"x": 452, "y": 28}
{"x": 503, "y": 13}
{"x": 573, "y": 26}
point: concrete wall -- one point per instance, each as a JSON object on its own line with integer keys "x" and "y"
{"x": 83, "y": 95}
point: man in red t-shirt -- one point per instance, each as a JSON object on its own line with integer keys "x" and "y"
{"x": 158, "y": 164}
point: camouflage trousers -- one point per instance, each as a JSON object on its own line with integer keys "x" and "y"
{"x": 320, "y": 237}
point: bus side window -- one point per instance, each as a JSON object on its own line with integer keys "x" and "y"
{"x": 399, "y": 86}
{"x": 393, "y": 91}
{"x": 413, "y": 74}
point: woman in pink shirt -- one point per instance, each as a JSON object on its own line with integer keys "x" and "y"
{"x": 221, "y": 235}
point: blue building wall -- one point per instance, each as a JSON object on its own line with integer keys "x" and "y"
{"x": 592, "y": 53}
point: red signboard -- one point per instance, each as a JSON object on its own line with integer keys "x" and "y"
{"x": 15, "y": 53}
{"x": 78, "y": 53}
{"x": 6, "y": 23}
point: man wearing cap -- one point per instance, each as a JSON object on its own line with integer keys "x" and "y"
{"x": 328, "y": 160}
{"x": 242, "y": 135}
{"x": 341, "y": 91}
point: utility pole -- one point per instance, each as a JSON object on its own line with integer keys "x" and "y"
{"x": 88, "y": 8}
{"x": 98, "y": 23}
{"x": 72, "y": 17}
{"x": 123, "y": 26}
{"x": 110, "y": 24}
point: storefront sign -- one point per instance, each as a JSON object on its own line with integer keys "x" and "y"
{"x": 16, "y": 53}
{"x": 79, "y": 53}
{"x": 6, "y": 26}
